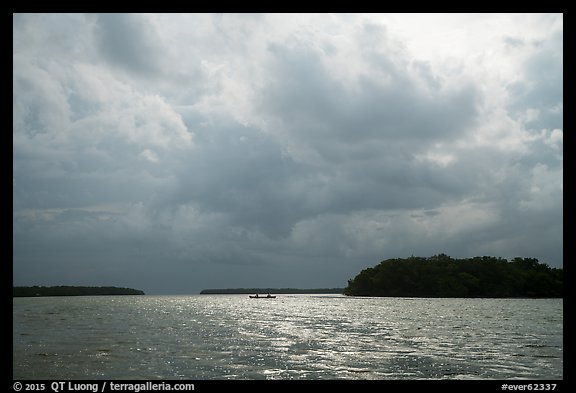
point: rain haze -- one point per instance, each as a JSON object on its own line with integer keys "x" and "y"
{"x": 177, "y": 152}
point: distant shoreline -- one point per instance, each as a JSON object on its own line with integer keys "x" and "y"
{"x": 244, "y": 291}
{"x": 64, "y": 290}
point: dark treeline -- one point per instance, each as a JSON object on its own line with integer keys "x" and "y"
{"x": 64, "y": 290}
{"x": 443, "y": 276}
{"x": 268, "y": 290}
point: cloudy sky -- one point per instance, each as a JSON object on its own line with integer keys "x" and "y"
{"x": 177, "y": 152}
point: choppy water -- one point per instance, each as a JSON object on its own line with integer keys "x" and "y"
{"x": 290, "y": 337}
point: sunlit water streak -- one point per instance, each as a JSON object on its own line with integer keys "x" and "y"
{"x": 290, "y": 337}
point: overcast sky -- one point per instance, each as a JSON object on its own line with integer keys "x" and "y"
{"x": 177, "y": 152}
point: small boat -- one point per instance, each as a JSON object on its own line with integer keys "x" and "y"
{"x": 262, "y": 297}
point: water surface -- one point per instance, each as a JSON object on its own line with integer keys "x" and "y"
{"x": 290, "y": 337}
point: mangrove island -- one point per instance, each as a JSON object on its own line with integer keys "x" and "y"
{"x": 443, "y": 276}
{"x": 64, "y": 290}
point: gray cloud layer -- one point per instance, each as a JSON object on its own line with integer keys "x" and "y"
{"x": 177, "y": 152}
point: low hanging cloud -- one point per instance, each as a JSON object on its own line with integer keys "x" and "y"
{"x": 177, "y": 152}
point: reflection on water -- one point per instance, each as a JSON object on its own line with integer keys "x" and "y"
{"x": 290, "y": 337}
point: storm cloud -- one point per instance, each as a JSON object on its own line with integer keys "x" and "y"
{"x": 177, "y": 152}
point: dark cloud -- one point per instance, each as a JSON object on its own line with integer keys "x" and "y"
{"x": 366, "y": 135}
{"x": 318, "y": 111}
{"x": 129, "y": 41}
{"x": 241, "y": 173}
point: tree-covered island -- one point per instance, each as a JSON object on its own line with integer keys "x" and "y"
{"x": 443, "y": 276}
{"x": 64, "y": 290}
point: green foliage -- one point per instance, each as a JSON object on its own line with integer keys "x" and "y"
{"x": 63, "y": 290}
{"x": 443, "y": 276}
